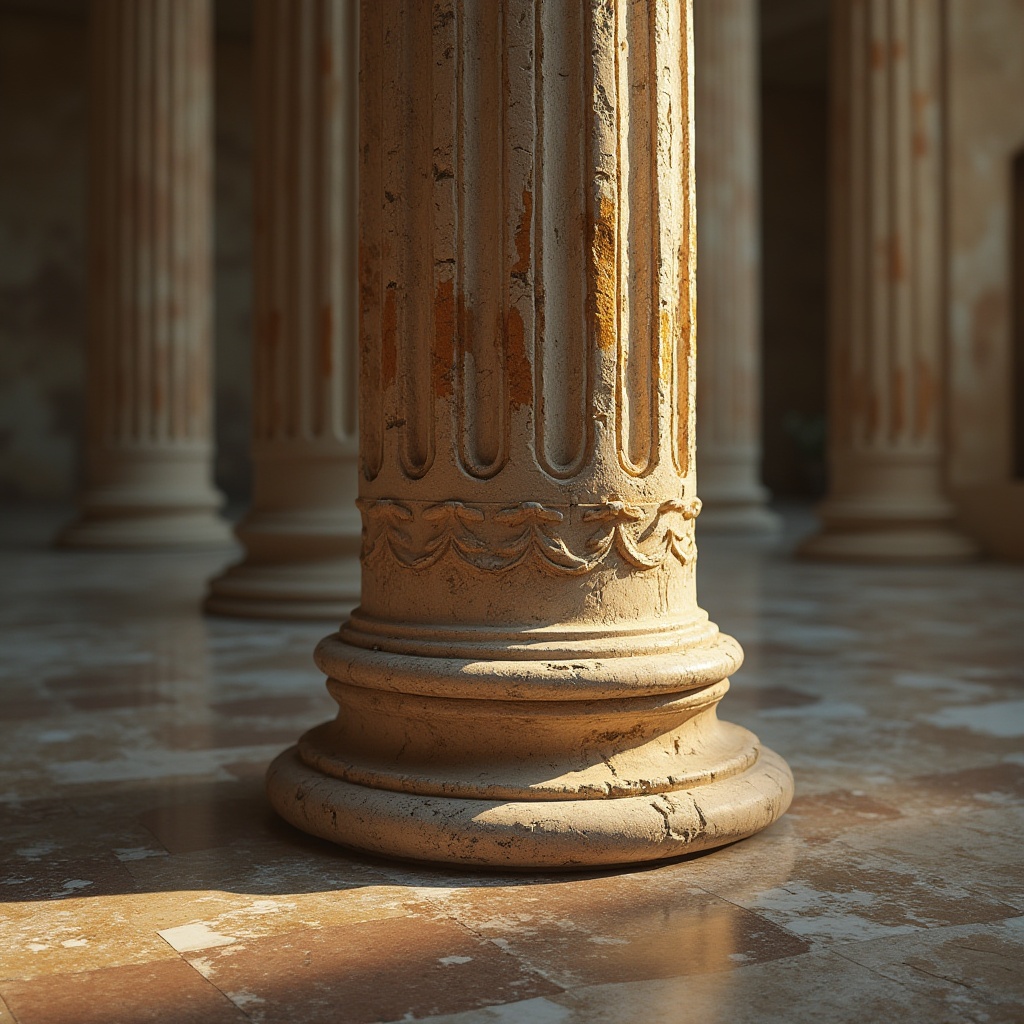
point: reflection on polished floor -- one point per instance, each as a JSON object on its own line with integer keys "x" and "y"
{"x": 143, "y": 877}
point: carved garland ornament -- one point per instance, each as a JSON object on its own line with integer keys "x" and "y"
{"x": 527, "y": 533}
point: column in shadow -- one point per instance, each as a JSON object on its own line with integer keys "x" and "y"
{"x": 887, "y": 499}
{"x": 729, "y": 253}
{"x": 149, "y": 398}
{"x": 302, "y": 534}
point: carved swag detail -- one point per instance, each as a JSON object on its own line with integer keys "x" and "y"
{"x": 527, "y": 534}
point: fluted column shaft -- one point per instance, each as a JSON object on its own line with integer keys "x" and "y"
{"x": 528, "y": 679}
{"x": 888, "y": 364}
{"x": 302, "y": 534}
{"x": 729, "y": 251}
{"x": 149, "y": 431}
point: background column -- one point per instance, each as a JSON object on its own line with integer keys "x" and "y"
{"x": 149, "y": 431}
{"x": 727, "y": 94}
{"x": 528, "y": 679}
{"x": 302, "y": 533}
{"x": 888, "y": 390}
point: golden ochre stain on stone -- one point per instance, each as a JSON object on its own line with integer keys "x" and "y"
{"x": 666, "y": 340}
{"x": 603, "y": 252}
{"x": 444, "y": 339}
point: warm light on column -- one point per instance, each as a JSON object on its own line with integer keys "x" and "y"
{"x": 528, "y": 680}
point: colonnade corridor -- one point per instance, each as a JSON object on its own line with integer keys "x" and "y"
{"x": 631, "y": 390}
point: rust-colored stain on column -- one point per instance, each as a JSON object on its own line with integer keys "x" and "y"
{"x": 605, "y": 281}
{"x": 518, "y": 367}
{"x": 522, "y": 263}
{"x": 442, "y": 364}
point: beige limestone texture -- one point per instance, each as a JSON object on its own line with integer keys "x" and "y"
{"x": 528, "y": 681}
{"x": 887, "y": 498}
{"x": 149, "y": 458}
{"x": 302, "y": 534}
{"x": 726, "y": 98}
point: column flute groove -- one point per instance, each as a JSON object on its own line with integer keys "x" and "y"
{"x": 528, "y": 679}
{"x": 302, "y": 534}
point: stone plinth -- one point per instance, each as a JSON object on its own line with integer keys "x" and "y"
{"x": 528, "y": 680}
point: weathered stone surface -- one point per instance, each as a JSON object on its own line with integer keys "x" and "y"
{"x": 528, "y": 680}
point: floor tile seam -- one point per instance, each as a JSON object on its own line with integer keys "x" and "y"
{"x": 212, "y": 983}
{"x": 915, "y": 991}
{"x": 105, "y": 966}
{"x": 519, "y": 958}
{"x": 575, "y": 993}
{"x": 813, "y": 942}
{"x": 886, "y": 859}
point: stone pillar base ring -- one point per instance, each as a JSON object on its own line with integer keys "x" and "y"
{"x": 552, "y": 834}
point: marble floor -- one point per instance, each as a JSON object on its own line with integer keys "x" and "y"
{"x": 143, "y": 877}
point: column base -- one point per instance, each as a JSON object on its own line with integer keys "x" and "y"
{"x": 324, "y": 590}
{"x": 548, "y": 834}
{"x": 148, "y": 530}
{"x": 890, "y": 544}
{"x": 533, "y": 757}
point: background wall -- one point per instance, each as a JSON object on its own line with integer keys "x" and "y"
{"x": 42, "y": 210}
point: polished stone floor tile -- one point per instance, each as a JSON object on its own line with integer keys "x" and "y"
{"x": 962, "y": 966}
{"x": 143, "y": 876}
{"x": 816, "y": 987}
{"x": 154, "y": 993}
{"x": 619, "y": 928}
{"x": 50, "y": 939}
{"x": 393, "y": 968}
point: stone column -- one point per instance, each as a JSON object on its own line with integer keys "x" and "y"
{"x": 729, "y": 250}
{"x": 149, "y": 391}
{"x": 302, "y": 534}
{"x": 528, "y": 680}
{"x": 887, "y": 499}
